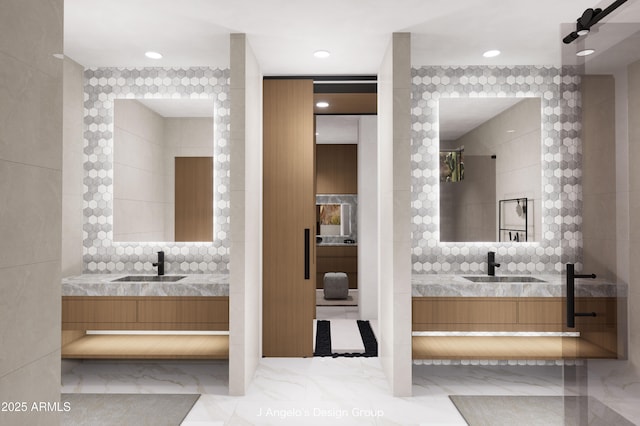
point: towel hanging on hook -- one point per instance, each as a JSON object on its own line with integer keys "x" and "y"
{"x": 519, "y": 209}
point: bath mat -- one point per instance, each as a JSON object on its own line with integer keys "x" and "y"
{"x": 368, "y": 338}
{"x": 323, "y": 338}
{"x": 126, "y": 409}
{"x": 323, "y": 341}
{"x": 485, "y": 410}
{"x": 351, "y": 300}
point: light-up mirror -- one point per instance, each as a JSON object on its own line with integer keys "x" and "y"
{"x": 163, "y": 170}
{"x": 490, "y": 169}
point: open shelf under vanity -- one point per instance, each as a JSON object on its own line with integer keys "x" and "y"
{"x": 506, "y": 348}
{"x": 147, "y": 346}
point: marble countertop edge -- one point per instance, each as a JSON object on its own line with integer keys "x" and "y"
{"x": 454, "y": 285}
{"x": 198, "y": 285}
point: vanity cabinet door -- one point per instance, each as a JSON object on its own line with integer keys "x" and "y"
{"x": 184, "y": 310}
{"x": 145, "y": 313}
{"x": 95, "y": 310}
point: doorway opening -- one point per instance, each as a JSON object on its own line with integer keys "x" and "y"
{"x": 346, "y": 124}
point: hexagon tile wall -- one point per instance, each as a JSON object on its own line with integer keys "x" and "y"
{"x": 102, "y": 85}
{"x": 561, "y": 171}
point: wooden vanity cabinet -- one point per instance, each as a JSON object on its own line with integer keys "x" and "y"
{"x": 597, "y": 338}
{"x": 508, "y": 313}
{"x": 145, "y": 313}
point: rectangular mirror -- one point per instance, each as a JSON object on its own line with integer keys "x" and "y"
{"x": 490, "y": 169}
{"x": 333, "y": 220}
{"x": 163, "y": 170}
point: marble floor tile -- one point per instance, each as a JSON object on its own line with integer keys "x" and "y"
{"x": 321, "y": 391}
{"x": 491, "y": 380}
{"x": 617, "y": 385}
{"x": 337, "y": 312}
{"x": 209, "y": 377}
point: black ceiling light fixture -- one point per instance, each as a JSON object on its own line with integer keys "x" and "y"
{"x": 589, "y": 18}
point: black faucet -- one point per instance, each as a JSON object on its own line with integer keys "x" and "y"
{"x": 160, "y": 263}
{"x": 491, "y": 263}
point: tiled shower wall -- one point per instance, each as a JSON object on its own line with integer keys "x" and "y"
{"x": 560, "y": 178}
{"x": 102, "y": 86}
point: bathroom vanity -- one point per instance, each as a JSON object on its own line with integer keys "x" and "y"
{"x": 98, "y": 309}
{"x": 531, "y": 306}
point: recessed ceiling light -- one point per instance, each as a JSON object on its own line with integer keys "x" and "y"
{"x": 585, "y": 52}
{"x": 491, "y": 53}
{"x": 322, "y": 104}
{"x": 321, "y": 54}
{"x": 153, "y": 55}
{"x": 511, "y": 131}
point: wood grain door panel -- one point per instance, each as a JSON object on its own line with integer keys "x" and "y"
{"x": 194, "y": 199}
{"x": 288, "y": 209}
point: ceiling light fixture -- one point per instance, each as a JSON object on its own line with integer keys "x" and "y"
{"x": 321, "y": 54}
{"x": 585, "y": 52}
{"x": 589, "y": 18}
{"x": 153, "y": 55}
{"x": 491, "y": 53}
{"x": 322, "y": 104}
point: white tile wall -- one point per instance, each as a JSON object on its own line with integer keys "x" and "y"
{"x": 31, "y": 96}
{"x": 561, "y": 175}
{"x": 102, "y": 87}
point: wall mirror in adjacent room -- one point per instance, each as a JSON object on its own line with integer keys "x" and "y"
{"x": 490, "y": 169}
{"x": 163, "y": 170}
{"x": 333, "y": 219}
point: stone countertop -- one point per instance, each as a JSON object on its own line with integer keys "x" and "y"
{"x": 440, "y": 285}
{"x": 103, "y": 285}
{"x": 337, "y": 244}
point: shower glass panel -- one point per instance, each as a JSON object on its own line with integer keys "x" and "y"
{"x": 608, "y": 83}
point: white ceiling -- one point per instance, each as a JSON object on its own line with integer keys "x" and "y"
{"x": 285, "y": 33}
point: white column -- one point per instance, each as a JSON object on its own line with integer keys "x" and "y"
{"x": 368, "y": 218}
{"x": 245, "y": 301}
{"x": 394, "y": 213}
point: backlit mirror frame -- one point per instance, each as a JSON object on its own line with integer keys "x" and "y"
{"x": 560, "y": 180}
{"x": 102, "y": 86}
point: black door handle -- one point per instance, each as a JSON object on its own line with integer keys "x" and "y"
{"x": 307, "y": 253}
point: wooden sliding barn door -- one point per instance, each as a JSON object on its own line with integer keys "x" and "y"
{"x": 289, "y": 219}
